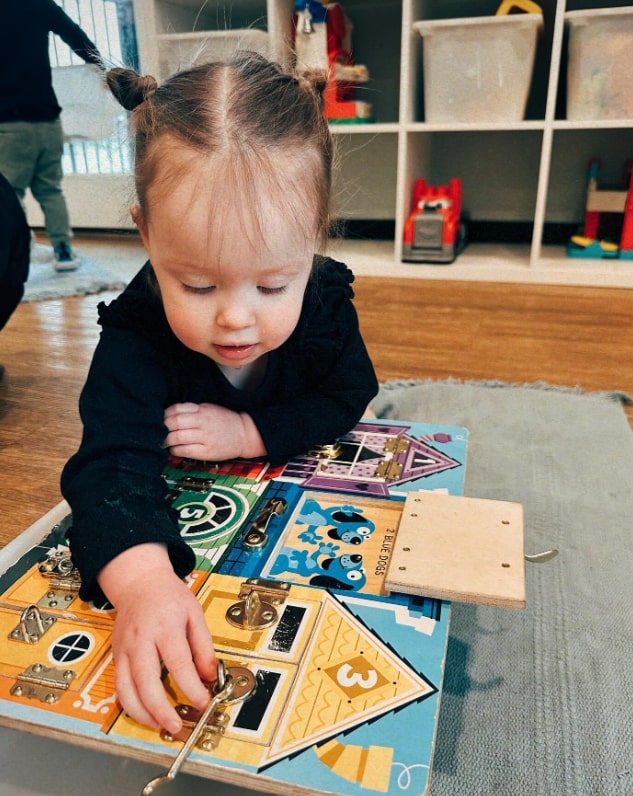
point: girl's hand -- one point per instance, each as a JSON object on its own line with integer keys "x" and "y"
{"x": 211, "y": 432}
{"x": 158, "y": 619}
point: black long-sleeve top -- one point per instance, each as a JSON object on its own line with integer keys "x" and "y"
{"x": 15, "y": 244}
{"x": 26, "y": 85}
{"x": 316, "y": 387}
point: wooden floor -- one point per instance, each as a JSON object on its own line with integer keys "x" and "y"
{"x": 413, "y": 328}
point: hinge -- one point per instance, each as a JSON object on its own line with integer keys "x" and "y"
{"x": 45, "y": 683}
{"x": 389, "y": 469}
{"x": 396, "y": 445}
{"x": 194, "y": 483}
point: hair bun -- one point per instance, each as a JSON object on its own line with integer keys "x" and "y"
{"x": 129, "y": 88}
{"x": 314, "y": 79}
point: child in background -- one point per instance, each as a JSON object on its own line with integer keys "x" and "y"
{"x": 234, "y": 340}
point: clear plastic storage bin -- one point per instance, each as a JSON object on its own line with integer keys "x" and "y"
{"x": 478, "y": 69}
{"x": 180, "y": 51}
{"x": 600, "y": 67}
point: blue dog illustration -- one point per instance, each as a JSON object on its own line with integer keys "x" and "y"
{"x": 323, "y": 567}
{"x": 349, "y": 524}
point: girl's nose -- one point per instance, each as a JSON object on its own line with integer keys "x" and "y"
{"x": 235, "y": 315}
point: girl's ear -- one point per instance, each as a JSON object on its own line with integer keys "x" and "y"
{"x": 139, "y": 220}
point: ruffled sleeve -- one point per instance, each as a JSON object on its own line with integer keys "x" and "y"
{"x": 325, "y": 323}
{"x": 138, "y": 308}
{"x": 330, "y": 379}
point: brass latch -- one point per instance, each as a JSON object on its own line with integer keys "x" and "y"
{"x": 331, "y": 451}
{"x": 45, "y": 683}
{"x": 210, "y": 734}
{"x": 256, "y": 537}
{"x": 244, "y": 684}
{"x": 200, "y": 728}
{"x": 259, "y": 600}
{"x": 32, "y": 626}
{"x": 64, "y": 580}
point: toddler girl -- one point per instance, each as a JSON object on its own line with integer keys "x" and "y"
{"x": 234, "y": 340}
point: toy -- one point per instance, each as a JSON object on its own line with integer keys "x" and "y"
{"x": 329, "y": 651}
{"x": 510, "y": 6}
{"x": 600, "y": 203}
{"x": 432, "y": 232}
{"x": 331, "y": 670}
{"x": 323, "y": 40}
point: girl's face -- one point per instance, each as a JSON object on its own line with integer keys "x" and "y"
{"x": 233, "y": 287}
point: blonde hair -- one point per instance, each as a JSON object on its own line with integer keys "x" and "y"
{"x": 247, "y": 111}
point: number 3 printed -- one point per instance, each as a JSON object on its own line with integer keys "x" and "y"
{"x": 347, "y": 677}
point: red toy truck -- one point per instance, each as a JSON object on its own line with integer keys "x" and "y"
{"x": 432, "y": 232}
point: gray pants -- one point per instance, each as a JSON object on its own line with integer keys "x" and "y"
{"x": 31, "y": 157}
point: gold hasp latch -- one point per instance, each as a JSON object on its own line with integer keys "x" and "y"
{"x": 215, "y": 725}
{"x": 45, "y": 683}
{"x": 233, "y": 685}
{"x": 256, "y": 537}
{"x": 63, "y": 578}
{"x": 396, "y": 445}
{"x": 32, "y": 626}
{"x": 210, "y": 734}
{"x": 259, "y": 600}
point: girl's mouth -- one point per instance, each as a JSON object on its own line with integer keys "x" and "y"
{"x": 235, "y": 353}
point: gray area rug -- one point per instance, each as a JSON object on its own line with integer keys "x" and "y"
{"x": 91, "y": 277}
{"x": 540, "y": 702}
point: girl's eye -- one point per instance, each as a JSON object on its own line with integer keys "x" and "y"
{"x": 198, "y": 290}
{"x": 272, "y": 291}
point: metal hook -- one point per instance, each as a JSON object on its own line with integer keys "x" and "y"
{"x": 541, "y": 558}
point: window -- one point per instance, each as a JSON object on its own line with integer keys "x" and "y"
{"x": 71, "y": 647}
{"x": 110, "y": 25}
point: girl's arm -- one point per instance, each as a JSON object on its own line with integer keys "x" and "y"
{"x": 114, "y": 482}
{"x": 125, "y": 539}
{"x": 334, "y": 387}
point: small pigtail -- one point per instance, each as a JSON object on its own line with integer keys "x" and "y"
{"x": 314, "y": 80}
{"x": 129, "y": 88}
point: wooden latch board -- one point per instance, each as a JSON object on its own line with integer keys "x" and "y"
{"x": 459, "y": 548}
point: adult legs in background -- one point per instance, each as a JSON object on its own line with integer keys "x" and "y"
{"x": 31, "y": 157}
{"x": 46, "y": 182}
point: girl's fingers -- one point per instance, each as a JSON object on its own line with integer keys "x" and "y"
{"x": 129, "y": 696}
{"x": 203, "y": 651}
{"x": 180, "y": 409}
{"x": 185, "y": 674}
